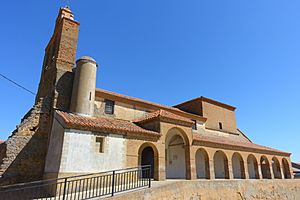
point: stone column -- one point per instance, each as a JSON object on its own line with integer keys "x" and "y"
{"x": 193, "y": 170}
{"x": 291, "y": 169}
{"x": 230, "y": 171}
{"x": 259, "y": 171}
{"x": 246, "y": 169}
{"x": 211, "y": 169}
{"x": 161, "y": 163}
{"x": 271, "y": 170}
{"x": 281, "y": 171}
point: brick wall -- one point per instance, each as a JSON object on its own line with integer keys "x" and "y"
{"x": 216, "y": 114}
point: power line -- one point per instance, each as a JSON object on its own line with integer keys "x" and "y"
{"x": 20, "y": 86}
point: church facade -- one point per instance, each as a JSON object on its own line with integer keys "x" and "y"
{"x": 92, "y": 130}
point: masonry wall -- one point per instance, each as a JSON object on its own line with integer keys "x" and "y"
{"x": 81, "y": 153}
{"x": 122, "y": 110}
{"x": 23, "y": 154}
{"x": 78, "y": 152}
{"x": 216, "y": 114}
{"x": 226, "y": 190}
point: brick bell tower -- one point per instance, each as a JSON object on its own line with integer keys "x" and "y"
{"x": 57, "y": 76}
{"x": 23, "y": 154}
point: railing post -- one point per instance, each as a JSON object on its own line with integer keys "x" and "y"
{"x": 149, "y": 176}
{"x": 65, "y": 189}
{"x": 113, "y": 184}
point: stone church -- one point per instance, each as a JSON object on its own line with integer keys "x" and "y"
{"x": 76, "y": 128}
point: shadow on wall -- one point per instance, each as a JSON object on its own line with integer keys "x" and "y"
{"x": 64, "y": 87}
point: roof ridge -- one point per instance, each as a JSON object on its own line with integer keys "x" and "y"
{"x": 206, "y": 99}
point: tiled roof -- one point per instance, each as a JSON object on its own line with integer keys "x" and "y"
{"x": 163, "y": 114}
{"x": 1, "y": 141}
{"x": 102, "y": 124}
{"x": 147, "y": 104}
{"x": 228, "y": 142}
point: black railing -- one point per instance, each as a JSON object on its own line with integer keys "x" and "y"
{"x": 82, "y": 186}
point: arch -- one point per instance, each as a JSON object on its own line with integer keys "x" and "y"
{"x": 252, "y": 167}
{"x": 177, "y": 154}
{"x": 265, "y": 167}
{"x": 202, "y": 164}
{"x": 286, "y": 169}
{"x": 221, "y": 165}
{"x": 148, "y": 155}
{"x": 276, "y": 168}
{"x": 238, "y": 167}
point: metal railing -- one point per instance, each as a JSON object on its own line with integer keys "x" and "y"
{"x": 82, "y": 186}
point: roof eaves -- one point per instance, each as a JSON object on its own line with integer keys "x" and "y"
{"x": 90, "y": 127}
{"x": 263, "y": 148}
{"x": 188, "y": 101}
{"x": 202, "y": 98}
{"x": 163, "y": 116}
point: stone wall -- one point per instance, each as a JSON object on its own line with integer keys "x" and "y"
{"x": 23, "y": 154}
{"x": 218, "y": 190}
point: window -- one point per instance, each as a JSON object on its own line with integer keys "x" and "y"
{"x": 109, "y": 107}
{"x": 194, "y": 127}
{"x": 220, "y": 125}
{"x": 100, "y": 144}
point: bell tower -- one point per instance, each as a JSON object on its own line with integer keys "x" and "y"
{"x": 23, "y": 158}
{"x": 57, "y": 77}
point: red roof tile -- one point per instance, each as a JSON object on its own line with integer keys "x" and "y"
{"x": 1, "y": 141}
{"x": 102, "y": 124}
{"x": 226, "y": 141}
{"x": 163, "y": 114}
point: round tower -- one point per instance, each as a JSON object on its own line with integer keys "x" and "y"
{"x": 84, "y": 85}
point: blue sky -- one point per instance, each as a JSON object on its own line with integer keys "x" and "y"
{"x": 244, "y": 53}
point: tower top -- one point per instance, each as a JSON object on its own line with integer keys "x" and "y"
{"x": 65, "y": 12}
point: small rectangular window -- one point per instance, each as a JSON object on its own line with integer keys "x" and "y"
{"x": 194, "y": 127}
{"x": 220, "y": 125}
{"x": 109, "y": 107}
{"x": 100, "y": 144}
